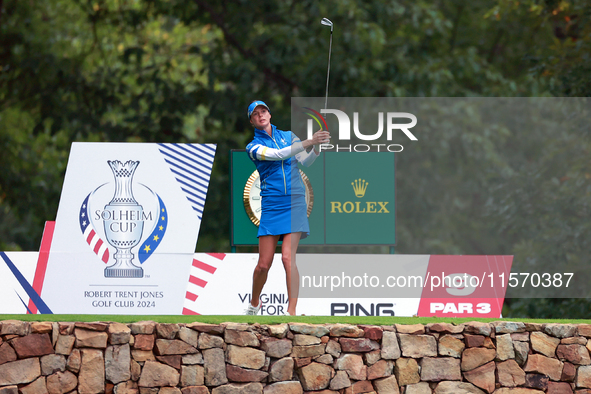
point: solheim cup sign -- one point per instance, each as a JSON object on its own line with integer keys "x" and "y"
{"x": 125, "y": 222}
{"x": 126, "y": 228}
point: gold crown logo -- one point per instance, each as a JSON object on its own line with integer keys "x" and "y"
{"x": 359, "y": 187}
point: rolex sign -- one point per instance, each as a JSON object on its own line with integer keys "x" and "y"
{"x": 352, "y": 196}
{"x": 359, "y": 199}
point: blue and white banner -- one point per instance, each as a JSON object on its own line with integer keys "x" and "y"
{"x": 17, "y": 270}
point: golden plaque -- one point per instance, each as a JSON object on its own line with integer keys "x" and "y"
{"x": 252, "y": 196}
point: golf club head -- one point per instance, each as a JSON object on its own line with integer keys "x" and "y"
{"x": 327, "y": 22}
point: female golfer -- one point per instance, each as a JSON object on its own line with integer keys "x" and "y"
{"x": 275, "y": 154}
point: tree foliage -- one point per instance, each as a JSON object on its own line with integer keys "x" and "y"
{"x": 184, "y": 71}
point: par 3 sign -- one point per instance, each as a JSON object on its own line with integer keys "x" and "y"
{"x": 344, "y": 131}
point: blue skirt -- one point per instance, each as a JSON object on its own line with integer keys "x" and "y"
{"x": 284, "y": 215}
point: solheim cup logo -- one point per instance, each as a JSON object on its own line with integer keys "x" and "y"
{"x": 123, "y": 222}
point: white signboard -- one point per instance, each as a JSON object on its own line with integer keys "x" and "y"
{"x": 126, "y": 228}
{"x": 221, "y": 284}
{"x": 124, "y": 241}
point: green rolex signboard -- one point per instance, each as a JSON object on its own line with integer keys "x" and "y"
{"x": 359, "y": 199}
{"x": 350, "y": 199}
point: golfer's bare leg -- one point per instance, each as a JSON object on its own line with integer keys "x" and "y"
{"x": 267, "y": 245}
{"x": 292, "y": 276}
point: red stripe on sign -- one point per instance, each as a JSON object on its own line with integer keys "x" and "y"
{"x": 190, "y": 296}
{"x": 106, "y": 256}
{"x": 202, "y": 266}
{"x": 90, "y": 236}
{"x": 97, "y": 246}
{"x": 197, "y": 281}
{"x": 189, "y": 312}
{"x": 42, "y": 260}
{"x": 219, "y": 256}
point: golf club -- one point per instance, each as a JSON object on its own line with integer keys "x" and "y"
{"x": 327, "y": 22}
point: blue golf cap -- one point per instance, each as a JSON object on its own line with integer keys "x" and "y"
{"x": 255, "y": 104}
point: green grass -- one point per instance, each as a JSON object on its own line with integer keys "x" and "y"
{"x": 370, "y": 320}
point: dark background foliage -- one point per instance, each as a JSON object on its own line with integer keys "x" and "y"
{"x": 184, "y": 71}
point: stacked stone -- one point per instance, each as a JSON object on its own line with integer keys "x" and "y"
{"x": 230, "y": 358}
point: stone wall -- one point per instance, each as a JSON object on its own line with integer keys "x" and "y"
{"x": 230, "y": 358}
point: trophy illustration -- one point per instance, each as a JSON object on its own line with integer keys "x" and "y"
{"x": 123, "y": 220}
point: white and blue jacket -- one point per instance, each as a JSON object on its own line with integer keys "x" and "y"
{"x": 276, "y": 158}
